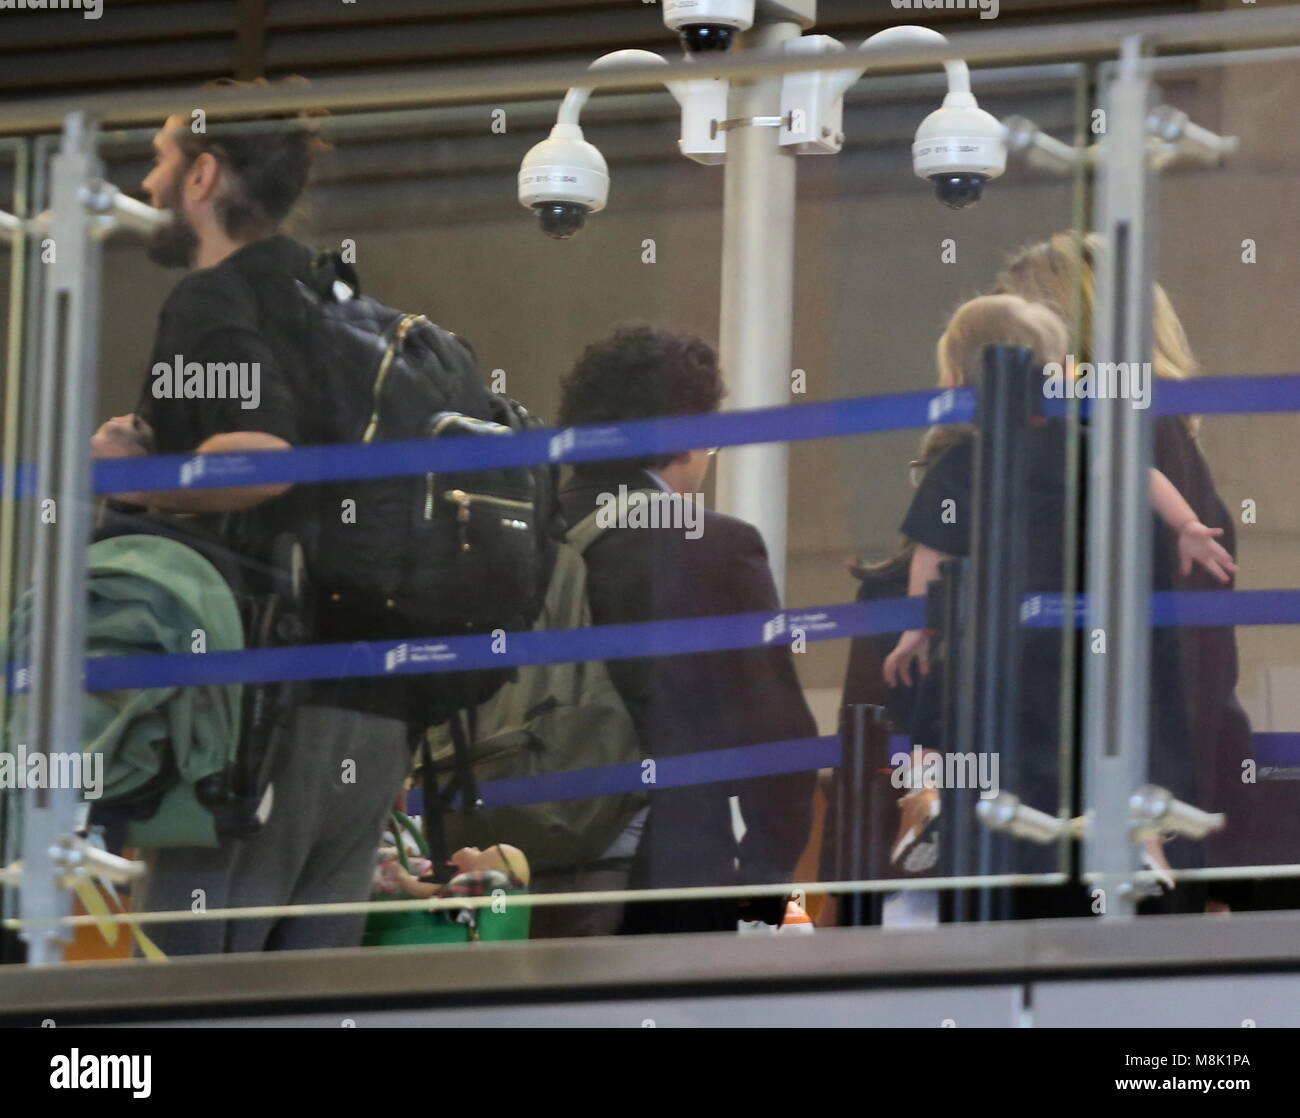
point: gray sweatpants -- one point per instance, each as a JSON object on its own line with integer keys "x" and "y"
{"x": 335, "y": 781}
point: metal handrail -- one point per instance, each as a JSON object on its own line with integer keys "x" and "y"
{"x": 442, "y": 86}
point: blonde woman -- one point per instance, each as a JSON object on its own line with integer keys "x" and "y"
{"x": 1060, "y": 273}
{"x": 937, "y": 535}
{"x": 877, "y": 675}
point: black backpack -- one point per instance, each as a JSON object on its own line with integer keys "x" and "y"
{"x": 420, "y": 555}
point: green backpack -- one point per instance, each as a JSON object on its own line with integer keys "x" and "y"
{"x": 552, "y": 718}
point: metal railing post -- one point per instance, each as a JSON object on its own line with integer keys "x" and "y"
{"x": 1117, "y": 681}
{"x": 66, "y": 408}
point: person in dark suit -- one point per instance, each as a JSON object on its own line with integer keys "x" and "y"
{"x": 685, "y": 704}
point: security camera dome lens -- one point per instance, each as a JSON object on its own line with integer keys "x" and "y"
{"x": 704, "y": 37}
{"x": 960, "y": 190}
{"x": 561, "y": 219}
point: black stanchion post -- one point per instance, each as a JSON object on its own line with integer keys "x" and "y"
{"x": 855, "y": 817}
{"x": 944, "y": 615}
{"x": 990, "y": 662}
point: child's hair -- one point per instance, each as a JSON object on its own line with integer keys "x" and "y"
{"x": 997, "y": 320}
{"x": 987, "y": 320}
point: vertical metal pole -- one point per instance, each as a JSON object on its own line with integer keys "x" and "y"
{"x": 66, "y": 410}
{"x": 13, "y": 390}
{"x": 16, "y": 389}
{"x": 853, "y": 814}
{"x": 757, "y": 296}
{"x": 1117, "y": 681}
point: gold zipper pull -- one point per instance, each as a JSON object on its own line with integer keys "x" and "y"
{"x": 462, "y": 501}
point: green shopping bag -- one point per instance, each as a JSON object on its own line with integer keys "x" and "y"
{"x": 397, "y": 929}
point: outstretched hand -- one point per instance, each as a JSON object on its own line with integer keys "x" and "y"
{"x": 1199, "y": 544}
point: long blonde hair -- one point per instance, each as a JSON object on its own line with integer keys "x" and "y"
{"x": 1060, "y": 272}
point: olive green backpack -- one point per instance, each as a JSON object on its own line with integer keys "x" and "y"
{"x": 553, "y": 718}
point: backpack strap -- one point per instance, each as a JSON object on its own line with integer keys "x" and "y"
{"x": 594, "y": 525}
{"x": 438, "y": 801}
{"x": 389, "y": 343}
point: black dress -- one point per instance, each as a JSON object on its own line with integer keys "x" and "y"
{"x": 941, "y": 516}
{"x": 1264, "y": 817}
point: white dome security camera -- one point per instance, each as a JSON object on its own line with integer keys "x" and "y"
{"x": 959, "y": 147}
{"x": 708, "y": 25}
{"x": 565, "y": 178}
{"x": 562, "y": 180}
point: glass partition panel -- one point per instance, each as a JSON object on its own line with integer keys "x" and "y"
{"x": 907, "y": 272}
{"x": 14, "y": 164}
{"x": 814, "y": 641}
{"x": 1224, "y": 637}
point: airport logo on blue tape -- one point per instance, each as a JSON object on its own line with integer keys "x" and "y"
{"x": 819, "y": 622}
{"x": 230, "y": 467}
{"x": 586, "y": 439}
{"x": 805, "y": 623}
{"x": 943, "y": 404}
{"x": 407, "y": 655}
{"x": 1047, "y": 611}
{"x": 564, "y": 441}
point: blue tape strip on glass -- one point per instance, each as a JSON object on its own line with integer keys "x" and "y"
{"x": 1273, "y": 392}
{"x": 573, "y": 444}
{"x": 1209, "y": 608}
{"x": 1179, "y": 608}
{"x": 739, "y": 763}
{"x": 829, "y": 419}
{"x": 1277, "y": 749}
{"x": 556, "y": 646}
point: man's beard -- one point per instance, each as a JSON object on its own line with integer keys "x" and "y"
{"x": 174, "y": 245}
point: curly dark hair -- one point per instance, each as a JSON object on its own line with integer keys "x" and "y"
{"x": 640, "y": 372}
{"x": 269, "y": 166}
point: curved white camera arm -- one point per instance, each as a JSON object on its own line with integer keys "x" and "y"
{"x": 565, "y": 178}
{"x": 911, "y": 35}
{"x": 812, "y": 105}
{"x": 958, "y": 147}
{"x": 703, "y": 103}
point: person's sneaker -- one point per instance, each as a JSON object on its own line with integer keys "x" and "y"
{"x": 919, "y": 812}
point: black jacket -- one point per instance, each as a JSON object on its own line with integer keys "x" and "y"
{"x": 701, "y": 701}
{"x": 247, "y": 310}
